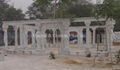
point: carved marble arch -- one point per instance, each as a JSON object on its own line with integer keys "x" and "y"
{"x": 29, "y": 35}
{"x": 49, "y": 35}
{"x": 51, "y": 30}
{"x": 100, "y": 35}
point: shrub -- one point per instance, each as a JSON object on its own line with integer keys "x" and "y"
{"x": 117, "y": 56}
{"x": 52, "y": 55}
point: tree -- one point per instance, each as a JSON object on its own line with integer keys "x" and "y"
{"x": 80, "y": 10}
{"x": 8, "y": 12}
{"x": 14, "y": 14}
{"x": 58, "y": 8}
{"x": 109, "y": 9}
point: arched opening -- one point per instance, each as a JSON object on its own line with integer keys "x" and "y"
{"x": 18, "y": 33}
{"x": 91, "y": 35}
{"x": 58, "y": 35}
{"x": 84, "y": 36}
{"x": 47, "y": 35}
{"x": 100, "y": 35}
{"x": 29, "y": 37}
{"x": 51, "y": 36}
{"x": 1, "y": 37}
{"x": 11, "y": 36}
{"x": 73, "y": 39}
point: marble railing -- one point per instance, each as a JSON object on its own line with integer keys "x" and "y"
{"x": 116, "y": 37}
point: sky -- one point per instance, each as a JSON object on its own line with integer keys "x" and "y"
{"x": 23, "y": 4}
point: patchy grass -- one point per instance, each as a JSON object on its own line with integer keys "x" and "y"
{"x": 87, "y": 62}
{"x": 116, "y": 69}
{"x": 103, "y": 65}
{"x": 70, "y": 61}
{"x": 116, "y": 43}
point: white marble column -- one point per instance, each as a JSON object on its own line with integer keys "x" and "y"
{"x": 5, "y": 36}
{"x": 21, "y": 36}
{"x": 39, "y": 39}
{"x": 88, "y": 34}
{"x": 33, "y": 38}
{"x": 94, "y": 32}
{"x": 65, "y": 42}
{"x": 107, "y": 34}
{"x": 16, "y": 36}
{"x": 54, "y": 43}
{"x": 25, "y": 38}
{"x": 5, "y": 28}
{"x": 40, "y": 42}
{"x": 80, "y": 38}
{"x": 109, "y": 31}
{"x": 43, "y": 41}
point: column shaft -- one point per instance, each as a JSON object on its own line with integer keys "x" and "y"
{"x": 65, "y": 42}
{"x": 80, "y": 38}
{"x": 21, "y": 36}
{"x": 25, "y": 38}
{"x": 88, "y": 36}
{"x": 94, "y": 36}
{"x": 33, "y": 38}
{"x": 6, "y": 38}
{"x": 54, "y": 43}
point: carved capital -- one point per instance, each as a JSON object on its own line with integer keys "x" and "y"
{"x": 81, "y": 29}
{"x": 5, "y": 27}
{"x": 15, "y": 27}
{"x": 87, "y": 23}
{"x": 94, "y": 28}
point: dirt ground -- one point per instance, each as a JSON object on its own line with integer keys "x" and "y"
{"x": 34, "y": 62}
{"x": 73, "y": 62}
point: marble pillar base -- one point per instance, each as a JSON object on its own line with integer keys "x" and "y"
{"x": 64, "y": 52}
{"x": 39, "y": 52}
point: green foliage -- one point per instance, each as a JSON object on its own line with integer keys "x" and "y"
{"x": 117, "y": 25}
{"x": 13, "y": 14}
{"x": 8, "y": 12}
{"x": 82, "y": 10}
{"x": 109, "y": 9}
{"x": 118, "y": 57}
{"x": 61, "y": 9}
{"x": 52, "y": 55}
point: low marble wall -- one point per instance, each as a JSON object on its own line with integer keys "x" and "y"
{"x": 116, "y": 37}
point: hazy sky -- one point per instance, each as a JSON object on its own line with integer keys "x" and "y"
{"x": 23, "y": 4}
